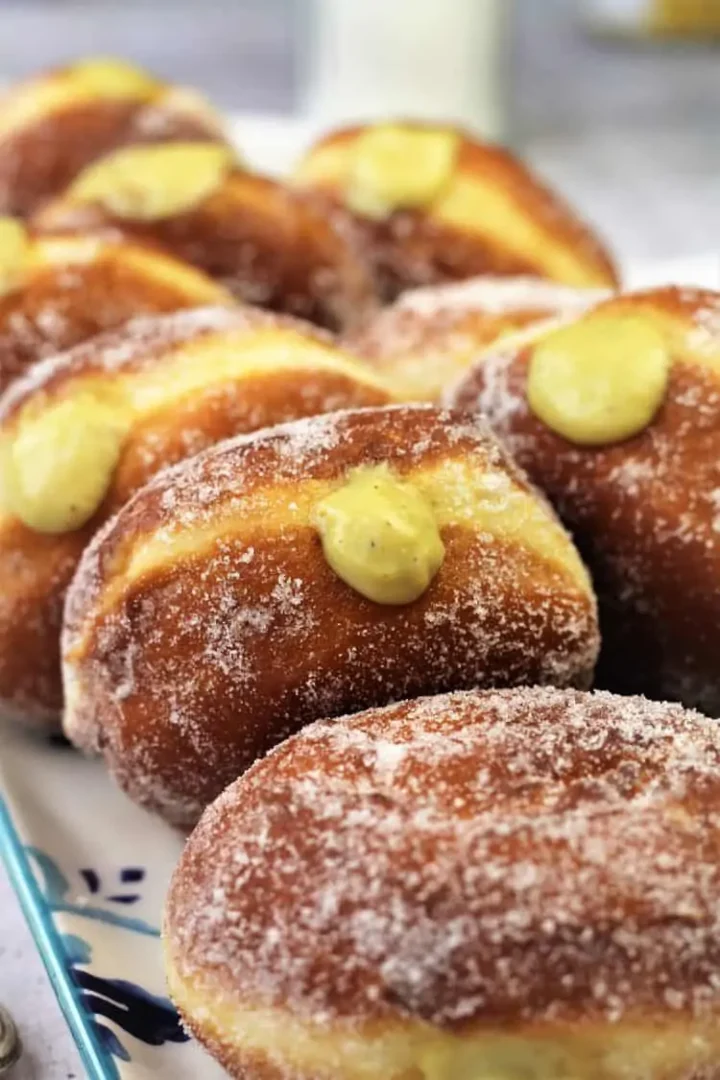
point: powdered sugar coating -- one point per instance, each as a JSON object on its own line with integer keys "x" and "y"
{"x": 644, "y": 512}
{"x": 529, "y": 856}
{"x": 199, "y": 665}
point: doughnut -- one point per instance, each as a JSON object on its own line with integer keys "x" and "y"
{"x": 617, "y": 418}
{"x": 269, "y": 245}
{"x": 56, "y": 292}
{"x": 434, "y": 204}
{"x": 424, "y": 340}
{"x": 84, "y": 430}
{"x": 332, "y": 564}
{"x": 517, "y": 884}
{"x": 56, "y": 123}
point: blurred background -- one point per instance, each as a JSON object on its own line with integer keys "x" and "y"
{"x": 617, "y": 101}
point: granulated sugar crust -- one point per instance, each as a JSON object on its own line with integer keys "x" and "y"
{"x": 199, "y": 665}
{"x": 514, "y": 857}
{"x": 427, "y": 316}
{"x": 645, "y": 512}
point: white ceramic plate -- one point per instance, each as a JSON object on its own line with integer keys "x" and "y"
{"x": 91, "y": 869}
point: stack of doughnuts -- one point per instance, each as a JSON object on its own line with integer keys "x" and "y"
{"x": 323, "y": 506}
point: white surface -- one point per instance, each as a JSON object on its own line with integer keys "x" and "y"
{"x": 49, "y": 1053}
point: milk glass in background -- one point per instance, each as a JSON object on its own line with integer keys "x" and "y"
{"x": 412, "y": 59}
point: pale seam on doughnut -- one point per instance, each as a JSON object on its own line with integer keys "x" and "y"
{"x": 486, "y": 500}
{"x": 483, "y": 1056}
{"x": 56, "y": 251}
{"x": 489, "y": 211}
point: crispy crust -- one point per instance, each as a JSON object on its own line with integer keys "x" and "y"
{"x": 217, "y": 569}
{"x": 36, "y": 570}
{"x": 503, "y": 883}
{"x": 61, "y": 304}
{"x": 269, "y": 245}
{"x": 413, "y": 248}
{"x": 425, "y": 340}
{"x": 38, "y": 162}
{"x": 644, "y": 512}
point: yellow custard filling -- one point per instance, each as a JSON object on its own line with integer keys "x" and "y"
{"x": 149, "y": 183}
{"x": 15, "y": 249}
{"x": 379, "y": 534}
{"x": 599, "y": 380}
{"x": 395, "y": 167}
{"x": 56, "y": 471}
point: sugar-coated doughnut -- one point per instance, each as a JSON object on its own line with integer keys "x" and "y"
{"x": 426, "y": 339}
{"x": 325, "y": 566}
{"x": 498, "y": 885}
{"x": 434, "y": 204}
{"x": 56, "y": 292}
{"x": 86, "y": 429}
{"x": 56, "y": 123}
{"x": 617, "y": 418}
{"x": 268, "y": 244}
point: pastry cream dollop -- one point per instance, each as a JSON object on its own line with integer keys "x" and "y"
{"x": 599, "y": 380}
{"x": 14, "y": 253}
{"x": 57, "y": 467}
{"x": 148, "y": 183}
{"x": 397, "y": 167}
{"x": 379, "y": 534}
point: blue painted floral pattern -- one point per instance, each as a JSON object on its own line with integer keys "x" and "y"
{"x": 147, "y": 1017}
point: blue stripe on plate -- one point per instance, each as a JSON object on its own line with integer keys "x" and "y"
{"x": 49, "y": 945}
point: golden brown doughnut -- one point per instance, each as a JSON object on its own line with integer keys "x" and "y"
{"x": 425, "y": 340}
{"x": 56, "y": 123}
{"x": 266, "y": 243}
{"x": 219, "y": 569}
{"x": 434, "y": 204}
{"x": 56, "y": 292}
{"x": 501, "y": 885}
{"x": 644, "y": 510}
{"x": 85, "y": 429}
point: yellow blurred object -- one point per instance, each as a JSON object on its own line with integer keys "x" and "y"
{"x": 684, "y": 16}
{"x": 656, "y": 18}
